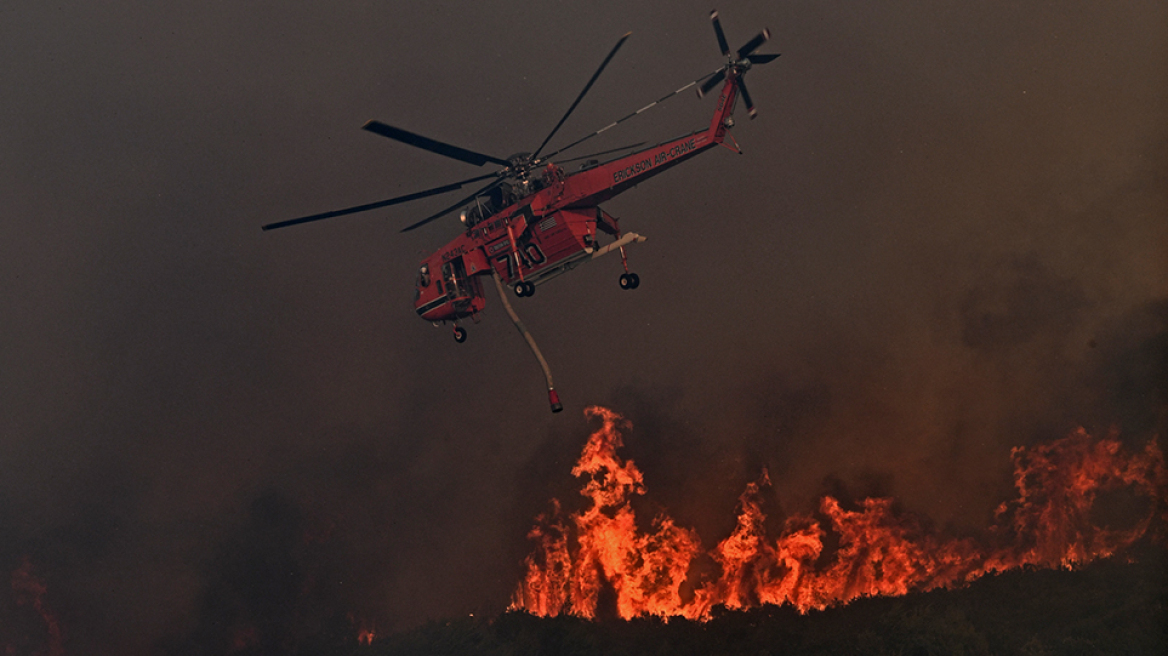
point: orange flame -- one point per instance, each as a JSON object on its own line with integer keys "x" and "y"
{"x": 645, "y": 570}
{"x": 880, "y": 551}
{"x": 366, "y": 636}
{"x": 366, "y": 631}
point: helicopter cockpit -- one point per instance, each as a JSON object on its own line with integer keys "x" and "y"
{"x": 445, "y": 292}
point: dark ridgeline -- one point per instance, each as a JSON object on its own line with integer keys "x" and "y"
{"x": 1108, "y": 607}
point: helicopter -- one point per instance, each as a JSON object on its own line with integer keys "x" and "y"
{"x": 535, "y": 220}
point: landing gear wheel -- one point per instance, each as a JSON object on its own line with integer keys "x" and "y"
{"x": 529, "y": 289}
{"x": 634, "y": 281}
{"x": 459, "y": 334}
{"x": 520, "y": 289}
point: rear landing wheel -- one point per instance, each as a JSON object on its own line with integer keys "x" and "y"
{"x": 459, "y": 334}
{"x": 630, "y": 281}
{"x": 523, "y": 289}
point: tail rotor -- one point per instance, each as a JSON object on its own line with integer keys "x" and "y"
{"x": 738, "y": 63}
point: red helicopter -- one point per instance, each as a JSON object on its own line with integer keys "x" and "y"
{"x": 534, "y": 220}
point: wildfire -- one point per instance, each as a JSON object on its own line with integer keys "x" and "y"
{"x": 366, "y": 636}
{"x": 366, "y": 631}
{"x": 880, "y": 551}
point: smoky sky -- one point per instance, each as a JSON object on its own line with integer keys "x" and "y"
{"x": 946, "y": 237}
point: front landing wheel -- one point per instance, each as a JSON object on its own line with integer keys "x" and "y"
{"x": 459, "y": 334}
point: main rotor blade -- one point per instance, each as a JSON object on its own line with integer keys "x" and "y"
{"x": 453, "y": 207}
{"x": 746, "y": 97}
{"x": 718, "y": 31}
{"x": 711, "y": 83}
{"x": 425, "y": 143}
{"x": 754, "y": 43}
{"x": 581, "y": 96}
{"x": 372, "y": 206}
{"x": 762, "y": 59}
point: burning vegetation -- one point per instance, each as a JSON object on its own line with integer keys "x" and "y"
{"x": 830, "y": 557}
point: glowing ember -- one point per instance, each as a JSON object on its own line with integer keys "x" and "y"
{"x": 880, "y": 551}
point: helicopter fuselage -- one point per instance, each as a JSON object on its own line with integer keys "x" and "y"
{"x": 548, "y": 232}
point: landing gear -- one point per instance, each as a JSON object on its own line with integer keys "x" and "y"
{"x": 630, "y": 281}
{"x": 524, "y": 288}
{"x": 459, "y": 334}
